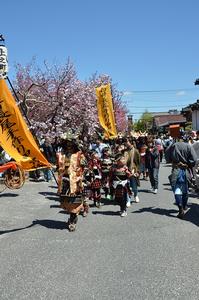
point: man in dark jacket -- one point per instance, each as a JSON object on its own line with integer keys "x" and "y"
{"x": 183, "y": 158}
{"x": 49, "y": 153}
{"x": 152, "y": 162}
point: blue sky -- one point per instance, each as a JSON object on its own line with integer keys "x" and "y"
{"x": 144, "y": 45}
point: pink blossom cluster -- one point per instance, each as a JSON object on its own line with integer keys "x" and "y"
{"x": 56, "y": 101}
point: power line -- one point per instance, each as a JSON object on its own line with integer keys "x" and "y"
{"x": 149, "y": 112}
{"x": 154, "y": 100}
{"x": 145, "y": 107}
{"x": 126, "y": 93}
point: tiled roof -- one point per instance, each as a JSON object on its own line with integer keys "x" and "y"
{"x": 191, "y": 107}
{"x": 168, "y": 119}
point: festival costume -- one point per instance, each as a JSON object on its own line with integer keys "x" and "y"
{"x": 63, "y": 162}
{"x": 73, "y": 201}
{"x": 96, "y": 177}
{"x": 106, "y": 164}
{"x": 132, "y": 158}
{"x": 143, "y": 169}
{"x": 120, "y": 182}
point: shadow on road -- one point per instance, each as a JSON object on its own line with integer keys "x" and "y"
{"x": 50, "y": 196}
{"x": 52, "y": 224}
{"x": 15, "y": 229}
{"x": 8, "y": 195}
{"x": 64, "y": 212}
{"x": 106, "y": 213}
{"x": 53, "y": 198}
{"x": 106, "y": 201}
{"x": 144, "y": 190}
{"x": 53, "y": 186}
{"x": 191, "y": 195}
{"x": 192, "y": 215}
{"x": 55, "y": 206}
{"x": 158, "y": 211}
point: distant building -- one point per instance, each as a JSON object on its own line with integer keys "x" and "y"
{"x": 191, "y": 112}
{"x": 162, "y": 121}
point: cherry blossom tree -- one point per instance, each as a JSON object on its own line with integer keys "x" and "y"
{"x": 56, "y": 101}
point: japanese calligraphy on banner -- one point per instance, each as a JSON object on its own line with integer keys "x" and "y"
{"x": 105, "y": 110}
{"x": 3, "y": 61}
{"x": 15, "y": 136}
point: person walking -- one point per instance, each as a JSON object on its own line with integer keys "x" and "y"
{"x": 183, "y": 158}
{"x": 119, "y": 181}
{"x": 50, "y": 155}
{"x": 132, "y": 157}
{"x": 153, "y": 164}
{"x": 159, "y": 145}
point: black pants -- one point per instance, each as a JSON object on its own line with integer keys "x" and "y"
{"x": 121, "y": 197}
{"x": 153, "y": 176}
{"x": 161, "y": 155}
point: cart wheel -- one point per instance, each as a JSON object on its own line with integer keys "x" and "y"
{"x": 14, "y": 179}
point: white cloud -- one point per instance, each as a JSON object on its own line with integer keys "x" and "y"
{"x": 126, "y": 93}
{"x": 180, "y": 93}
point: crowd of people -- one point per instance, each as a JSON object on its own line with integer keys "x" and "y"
{"x": 90, "y": 170}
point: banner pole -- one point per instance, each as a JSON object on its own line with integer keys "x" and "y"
{"x": 21, "y": 106}
{"x": 113, "y": 106}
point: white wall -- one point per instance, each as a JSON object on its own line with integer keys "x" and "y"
{"x": 195, "y": 119}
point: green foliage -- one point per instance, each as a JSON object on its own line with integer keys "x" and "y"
{"x": 144, "y": 123}
{"x": 188, "y": 126}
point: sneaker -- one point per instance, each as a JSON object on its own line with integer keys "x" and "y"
{"x": 124, "y": 214}
{"x": 155, "y": 191}
{"x": 128, "y": 204}
{"x": 137, "y": 199}
{"x": 181, "y": 215}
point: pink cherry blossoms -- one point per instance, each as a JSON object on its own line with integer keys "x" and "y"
{"x": 57, "y": 102}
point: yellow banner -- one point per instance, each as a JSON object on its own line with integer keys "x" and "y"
{"x": 105, "y": 110}
{"x": 15, "y": 136}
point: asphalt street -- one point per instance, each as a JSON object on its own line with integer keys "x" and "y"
{"x": 150, "y": 254}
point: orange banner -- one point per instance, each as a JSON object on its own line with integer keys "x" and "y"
{"x": 15, "y": 136}
{"x": 105, "y": 110}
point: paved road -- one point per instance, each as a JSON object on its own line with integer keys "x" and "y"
{"x": 150, "y": 254}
